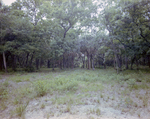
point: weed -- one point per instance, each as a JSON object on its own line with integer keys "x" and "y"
{"x": 6, "y": 84}
{"x": 20, "y": 109}
{"x": 131, "y": 83}
{"x": 139, "y": 115}
{"x": 92, "y": 111}
{"x": 128, "y": 101}
{"x": 145, "y": 101}
{"x": 51, "y": 113}
{"x": 16, "y": 101}
{"x": 98, "y": 112}
{"x": 68, "y": 108}
{"x": 113, "y": 98}
{"x": 18, "y": 80}
{"x": 3, "y": 91}
{"x": 42, "y": 106}
{"x": 135, "y": 104}
{"x": 91, "y": 117}
{"x": 3, "y": 106}
{"x": 47, "y": 116}
{"x": 102, "y": 96}
{"x": 40, "y": 88}
{"x": 98, "y": 101}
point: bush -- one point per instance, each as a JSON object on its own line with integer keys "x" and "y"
{"x": 40, "y": 87}
{"x": 29, "y": 68}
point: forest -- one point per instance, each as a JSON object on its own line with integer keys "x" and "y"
{"x": 74, "y": 33}
{"x": 75, "y": 59}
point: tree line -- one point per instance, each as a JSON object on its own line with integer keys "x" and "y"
{"x": 74, "y": 33}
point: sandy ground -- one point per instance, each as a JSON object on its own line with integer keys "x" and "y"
{"x": 110, "y": 109}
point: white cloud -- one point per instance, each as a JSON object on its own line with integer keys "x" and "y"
{"x": 8, "y": 2}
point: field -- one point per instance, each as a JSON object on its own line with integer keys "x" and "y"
{"x": 75, "y": 94}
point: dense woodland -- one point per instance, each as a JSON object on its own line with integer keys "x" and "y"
{"x": 74, "y": 33}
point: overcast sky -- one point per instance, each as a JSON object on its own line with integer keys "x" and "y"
{"x": 8, "y": 2}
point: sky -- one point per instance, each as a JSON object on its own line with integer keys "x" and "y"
{"x": 8, "y": 2}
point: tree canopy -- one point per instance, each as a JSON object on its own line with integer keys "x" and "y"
{"x": 74, "y": 33}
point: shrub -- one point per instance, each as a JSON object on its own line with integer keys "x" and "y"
{"x": 40, "y": 87}
{"x": 29, "y": 68}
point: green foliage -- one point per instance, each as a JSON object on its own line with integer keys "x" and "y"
{"x": 29, "y": 68}
{"x": 3, "y": 96}
{"x": 3, "y": 90}
{"x": 20, "y": 109}
{"x": 40, "y": 87}
{"x": 64, "y": 84}
{"x": 64, "y": 90}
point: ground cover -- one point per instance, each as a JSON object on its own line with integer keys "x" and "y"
{"x": 75, "y": 93}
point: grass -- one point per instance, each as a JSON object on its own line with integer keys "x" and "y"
{"x": 96, "y": 111}
{"x": 42, "y": 106}
{"x": 3, "y": 95}
{"x": 69, "y": 88}
{"x": 20, "y": 109}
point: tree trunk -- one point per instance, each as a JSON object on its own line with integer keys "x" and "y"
{"x": 99, "y": 63}
{"x": 117, "y": 68}
{"x": 19, "y": 60}
{"x": 104, "y": 65}
{"x": 64, "y": 62}
{"x": 48, "y": 63}
{"x": 53, "y": 65}
{"x": 114, "y": 62}
{"x": 93, "y": 63}
{"x": 37, "y": 63}
{"x": 119, "y": 62}
{"x": 27, "y": 57}
{"x": 89, "y": 67}
{"x": 41, "y": 62}
{"x": 148, "y": 60}
{"x": 144, "y": 62}
{"x": 61, "y": 63}
{"x": 104, "y": 61}
{"x": 137, "y": 64}
{"x": 1, "y": 62}
{"x": 132, "y": 61}
{"x": 31, "y": 60}
{"x": 83, "y": 60}
{"x": 4, "y": 61}
{"x": 126, "y": 62}
{"x": 13, "y": 62}
{"x": 72, "y": 64}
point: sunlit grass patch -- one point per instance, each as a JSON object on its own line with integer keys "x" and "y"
{"x": 93, "y": 87}
{"x": 20, "y": 77}
{"x": 62, "y": 84}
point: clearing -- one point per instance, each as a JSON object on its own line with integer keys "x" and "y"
{"x": 75, "y": 94}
